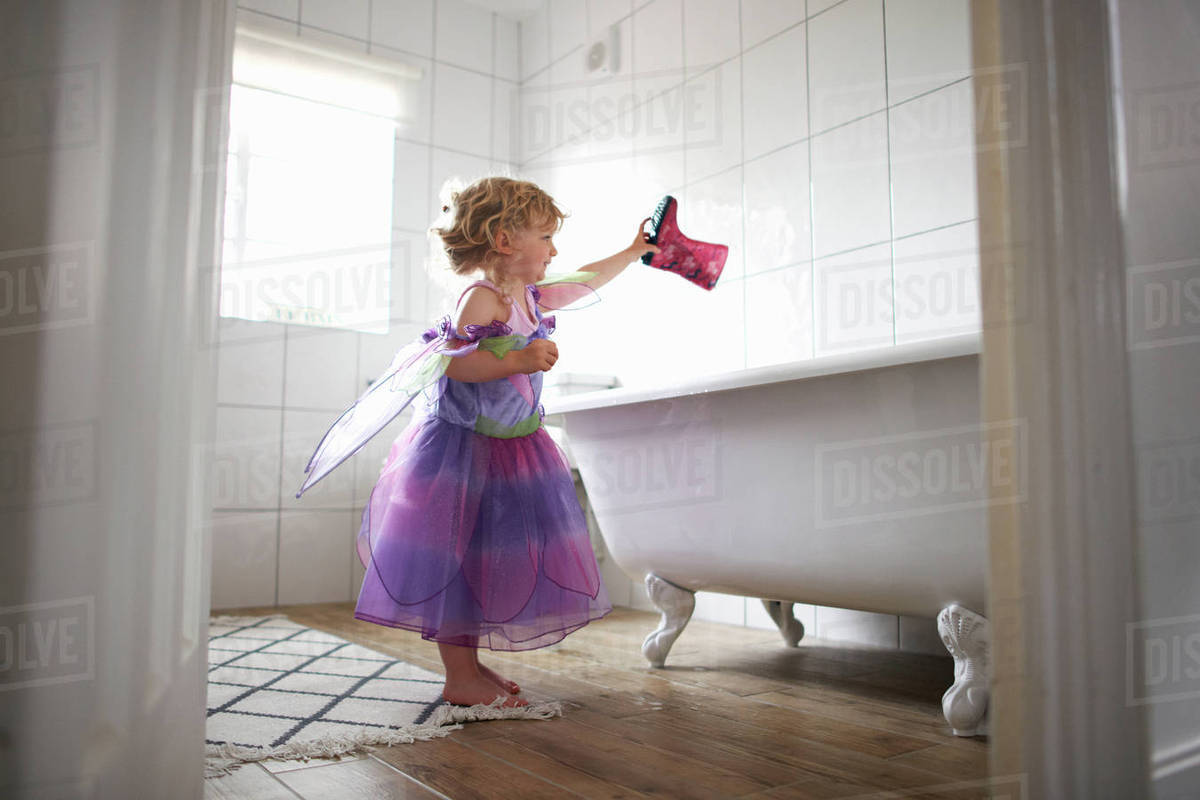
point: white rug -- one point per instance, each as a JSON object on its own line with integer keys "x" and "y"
{"x": 277, "y": 689}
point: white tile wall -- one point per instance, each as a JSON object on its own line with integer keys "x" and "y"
{"x": 505, "y": 48}
{"x": 757, "y": 616}
{"x": 461, "y": 94}
{"x": 506, "y": 99}
{"x": 404, "y": 25}
{"x": 464, "y": 35}
{"x": 357, "y": 570}
{"x": 655, "y": 174}
{"x": 928, "y": 45}
{"x": 658, "y": 43}
{"x": 250, "y": 363}
{"x": 850, "y": 192}
{"x": 933, "y": 159}
{"x": 535, "y": 44}
{"x": 853, "y": 293}
{"x": 245, "y": 466}
{"x": 315, "y": 550}
{"x": 775, "y": 93}
{"x": 344, "y": 17}
{"x": 608, "y": 95}
{"x": 268, "y": 22}
{"x": 779, "y": 323}
{"x": 244, "y": 558}
{"x": 287, "y": 9}
{"x": 712, "y": 133}
{"x": 778, "y": 227}
{"x": 858, "y": 626}
{"x": 718, "y": 607}
{"x": 412, "y": 290}
{"x": 410, "y": 198}
{"x": 937, "y": 283}
{"x": 846, "y": 64}
{"x": 448, "y": 165}
{"x": 711, "y": 33}
{"x": 417, "y": 123}
{"x": 532, "y": 127}
{"x": 568, "y": 27}
{"x": 817, "y": 6}
{"x": 728, "y": 307}
{"x": 320, "y": 368}
{"x": 302, "y": 431}
{"x": 602, "y": 13}
{"x": 660, "y": 120}
{"x": 765, "y": 18}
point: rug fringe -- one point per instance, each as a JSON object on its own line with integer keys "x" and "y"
{"x": 222, "y": 759}
{"x": 448, "y": 714}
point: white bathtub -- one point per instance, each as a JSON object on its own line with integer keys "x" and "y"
{"x": 854, "y": 481}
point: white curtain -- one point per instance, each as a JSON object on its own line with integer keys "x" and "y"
{"x": 111, "y": 162}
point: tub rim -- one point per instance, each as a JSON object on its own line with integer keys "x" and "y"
{"x": 966, "y": 344}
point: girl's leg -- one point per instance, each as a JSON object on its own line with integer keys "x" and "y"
{"x": 495, "y": 677}
{"x": 465, "y": 684}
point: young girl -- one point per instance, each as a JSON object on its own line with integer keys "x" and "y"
{"x": 473, "y": 534}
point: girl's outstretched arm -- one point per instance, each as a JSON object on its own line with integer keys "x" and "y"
{"x": 608, "y": 268}
{"x": 482, "y": 307}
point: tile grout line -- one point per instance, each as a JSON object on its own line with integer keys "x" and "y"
{"x": 492, "y": 99}
{"x": 887, "y": 132}
{"x": 683, "y": 61}
{"x": 742, "y": 226}
{"x": 354, "y": 470}
{"x": 812, "y": 226}
{"x": 279, "y": 496}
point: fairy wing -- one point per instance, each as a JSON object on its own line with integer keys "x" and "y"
{"x": 414, "y": 368}
{"x": 419, "y": 366}
{"x": 559, "y": 291}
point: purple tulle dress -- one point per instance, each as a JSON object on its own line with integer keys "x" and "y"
{"x": 473, "y": 534}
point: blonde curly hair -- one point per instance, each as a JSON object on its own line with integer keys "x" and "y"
{"x": 478, "y": 212}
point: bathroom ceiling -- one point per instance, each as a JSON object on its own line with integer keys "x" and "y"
{"x": 513, "y": 9}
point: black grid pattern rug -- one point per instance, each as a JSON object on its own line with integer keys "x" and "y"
{"x": 277, "y": 689}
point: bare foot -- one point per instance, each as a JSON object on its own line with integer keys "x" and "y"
{"x": 478, "y": 689}
{"x": 504, "y": 683}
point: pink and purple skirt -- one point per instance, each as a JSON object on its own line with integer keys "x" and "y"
{"x": 477, "y": 541}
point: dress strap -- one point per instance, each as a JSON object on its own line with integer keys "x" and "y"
{"x": 531, "y": 297}
{"x": 488, "y": 284}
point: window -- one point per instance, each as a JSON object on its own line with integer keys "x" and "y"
{"x": 309, "y": 183}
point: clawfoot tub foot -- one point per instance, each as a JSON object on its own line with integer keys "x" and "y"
{"x": 791, "y": 628}
{"x": 676, "y": 605}
{"x": 967, "y": 637}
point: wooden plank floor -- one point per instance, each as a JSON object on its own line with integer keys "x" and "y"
{"x": 735, "y": 713}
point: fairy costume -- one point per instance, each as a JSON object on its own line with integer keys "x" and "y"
{"x": 473, "y": 534}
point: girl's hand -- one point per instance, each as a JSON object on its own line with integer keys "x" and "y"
{"x": 537, "y": 356}
{"x": 641, "y": 244}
